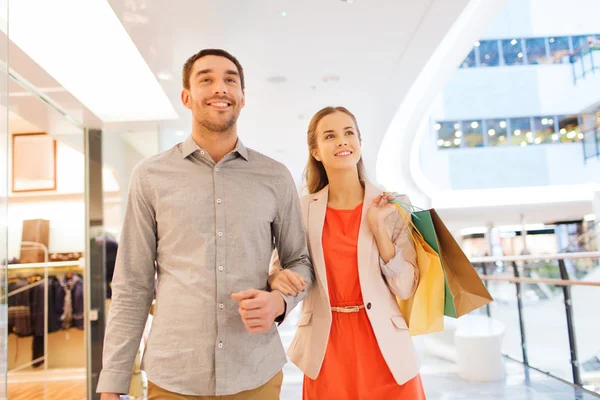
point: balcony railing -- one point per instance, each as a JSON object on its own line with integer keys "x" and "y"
{"x": 591, "y": 144}
{"x": 529, "y": 293}
{"x": 585, "y": 62}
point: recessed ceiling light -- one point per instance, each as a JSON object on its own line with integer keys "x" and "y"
{"x": 276, "y": 79}
{"x": 283, "y": 14}
{"x": 331, "y": 79}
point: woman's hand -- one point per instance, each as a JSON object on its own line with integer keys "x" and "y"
{"x": 287, "y": 282}
{"x": 377, "y": 213}
{"x": 379, "y": 210}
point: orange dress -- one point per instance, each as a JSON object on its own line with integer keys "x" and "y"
{"x": 353, "y": 368}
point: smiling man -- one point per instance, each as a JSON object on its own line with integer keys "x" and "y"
{"x": 205, "y": 216}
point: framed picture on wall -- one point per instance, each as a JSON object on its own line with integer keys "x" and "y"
{"x": 33, "y": 162}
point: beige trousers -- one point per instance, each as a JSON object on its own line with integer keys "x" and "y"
{"x": 268, "y": 391}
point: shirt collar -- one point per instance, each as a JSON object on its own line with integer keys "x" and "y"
{"x": 189, "y": 147}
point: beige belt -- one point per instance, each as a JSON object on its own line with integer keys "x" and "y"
{"x": 347, "y": 309}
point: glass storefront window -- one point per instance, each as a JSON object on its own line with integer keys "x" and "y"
{"x": 559, "y": 49}
{"x": 512, "y": 52}
{"x": 536, "y": 51}
{"x": 569, "y": 129}
{"x": 488, "y": 51}
{"x": 497, "y": 132}
{"x": 473, "y": 134}
{"x": 469, "y": 61}
{"x": 544, "y": 130}
{"x": 450, "y": 134}
{"x": 521, "y": 131}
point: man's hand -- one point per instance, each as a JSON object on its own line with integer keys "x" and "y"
{"x": 110, "y": 396}
{"x": 259, "y": 309}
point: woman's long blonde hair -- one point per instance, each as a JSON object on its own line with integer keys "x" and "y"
{"x": 315, "y": 174}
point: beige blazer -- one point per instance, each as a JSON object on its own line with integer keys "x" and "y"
{"x": 379, "y": 284}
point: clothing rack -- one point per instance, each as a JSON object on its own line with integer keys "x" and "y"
{"x": 37, "y": 268}
{"x": 25, "y": 288}
{"x": 44, "y": 281}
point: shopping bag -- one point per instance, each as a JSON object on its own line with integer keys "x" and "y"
{"x": 467, "y": 289}
{"x": 424, "y": 311}
{"x": 464, "y": 290}
{"x": 424, "y": 223}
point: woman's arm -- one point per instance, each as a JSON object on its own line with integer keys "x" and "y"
{"x": 397, "y": 255}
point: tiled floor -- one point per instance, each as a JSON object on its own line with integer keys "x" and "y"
{"x": 442, "y": 383}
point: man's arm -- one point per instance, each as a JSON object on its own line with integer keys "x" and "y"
{"x": 132, "y": 287}
{"x": 290, "y": 241}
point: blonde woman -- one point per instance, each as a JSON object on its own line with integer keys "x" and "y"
{"x": 352, "y": 341}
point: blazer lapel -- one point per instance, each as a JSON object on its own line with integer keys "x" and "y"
{"x": 366, "y": 240}
{"x": 316, "y": 220}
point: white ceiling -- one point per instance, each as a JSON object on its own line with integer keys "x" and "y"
{"x": 361, "y": 43}
{"x": 376, "y": 48}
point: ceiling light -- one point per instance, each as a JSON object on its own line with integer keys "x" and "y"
{"x": 551, "y": 40}
{"x": 545, "y": 121}
{"x": 438, "y": 127}
{"x": 474, "y": 124}
{"x": 276, "y": 79}
{"x": 492, "y": 132}
{"x": 555, "y": 137}
{"x": 283, "y": 14}
{"x": 529, "y": 134}
{"x": 458, "y": 133}
{"x": 477, "y": 43}
{"x": 563, "y": 131}
{"x": 572, "y": 135}
{"x": 164, "y": 76}
{"x": 448, "y": 144}
{"x": 520, "y": 55}
{"x": 88, "y": 51}
{"x": 487, "y": 57}
{"x": 550, "y": 121}
{"x": 538, "y": 140}
{"x": 457, "y": 126}
{"x": 517, "y": 132}
{"x": 440, "y": 142}
{"x": 513, "y": 42}
{"x": 523, "y": 144}
{"x": 457, "y": 141}
{"x": 502, "y": 124}
{"x": 580, "y": 136}
{"x": 331, "y": 79}
{"x": 502, "y": 138}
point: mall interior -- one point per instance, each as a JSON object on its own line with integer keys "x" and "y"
{"x": 487, "y": 111}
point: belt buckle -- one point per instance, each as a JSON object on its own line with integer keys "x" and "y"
{"x": 352, "y": 309}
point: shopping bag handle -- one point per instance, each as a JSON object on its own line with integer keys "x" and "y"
{"x": 408, "y": 223}
{"x": 410, "y": 207}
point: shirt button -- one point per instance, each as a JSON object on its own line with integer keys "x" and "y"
{"x": 220, "y": 345}
{"x": 221, "y": 306}
{"x": 202, "y": 152}
{"x": 216, "y": 169}
{"x": 368, "y": 306}
{"x": 220, "y": 268}
{"x": 218, "y": 201}
{"x": 220, "y": 233}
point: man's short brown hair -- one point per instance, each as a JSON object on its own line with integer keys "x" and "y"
{"x": 187, "y": 67}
